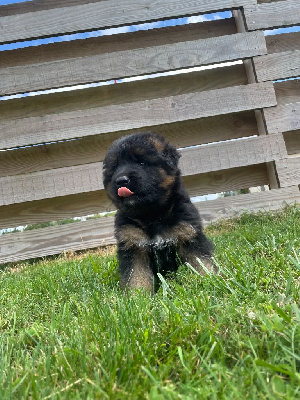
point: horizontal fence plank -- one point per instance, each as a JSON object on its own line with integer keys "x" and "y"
{"x": 82, "y": 204}
{"x": 103, "y": 14}
{"x": 65, "y": 52}
{"x": 226, "y": 180}
{"x": 51, "y": 183}
{"x": 272, "y": 15}
{"x": 263, "y": 1}
{"x": 283, "y": 42}
{"x": 38, "y": 5}
{"x": 93, "y": 149}
{"x": 124, "y": 64}
{"x": 124, "y": 117}
{"x": 54, "y": 209}
{"x": 288, "y": 171}
{"x": 116, "y": 42}
{"x": 232, "y": 154}
{"x": 229, "y": 207}
{"x": 123, "y": 92}
{"x": 94, "y": 233}
{"x": 88, "y": 177}
{"x": 54, "y": 240}
{"x": 277, "y": 66}
{"x": 285, "y": 117}
{"x": 292, "y": 142}
{"x": 287, "y": 92}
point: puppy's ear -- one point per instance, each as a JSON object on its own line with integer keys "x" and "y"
{"x": 171, "y": 155}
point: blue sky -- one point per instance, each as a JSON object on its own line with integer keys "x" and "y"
{"x": 10, "y": 1}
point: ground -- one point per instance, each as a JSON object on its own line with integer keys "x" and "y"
{"x": 68, "y": 331}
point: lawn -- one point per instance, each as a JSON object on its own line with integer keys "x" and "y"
{"x": 68, "y": 332}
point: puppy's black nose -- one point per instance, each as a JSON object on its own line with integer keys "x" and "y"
{"x": 122, "y": 181}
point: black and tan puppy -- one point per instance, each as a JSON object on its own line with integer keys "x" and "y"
{"x": 157, "y": 227}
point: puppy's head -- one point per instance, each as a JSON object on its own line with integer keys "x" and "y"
{"x": 140, "y": 173}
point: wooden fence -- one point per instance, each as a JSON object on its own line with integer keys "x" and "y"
{"x": 248, "y": 125}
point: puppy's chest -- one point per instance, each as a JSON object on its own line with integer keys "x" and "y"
{"x": 163, "y": 259}
{"x": 159, "y": 240}
{"x": 161, "y": 245}
{"x": 162, "y": 251}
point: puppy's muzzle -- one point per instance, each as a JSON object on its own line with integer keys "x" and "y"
{"x": 122, "y": 181}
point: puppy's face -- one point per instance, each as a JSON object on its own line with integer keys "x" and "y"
{"x": 140, "y": 172}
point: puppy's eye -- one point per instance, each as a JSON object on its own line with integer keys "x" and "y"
{"x": 143, "y": 164}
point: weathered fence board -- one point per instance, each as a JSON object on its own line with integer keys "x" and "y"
{"x": 283, "y": 42}
{"x": 122, "y": 64}
{"x": 292, "y": 142}
{"x": 287, "y": 91}
{"x": 123, "y": 92}
{"x": 232, "y": 154}
{"x": 277, "y": 66}
{"x": 87, "y": 178}
{"x": 82, "y": 204}
{"x": 51, "y": 183}
{"x": 288, "y": 171}
{"x": 103, "y": 14}
{"x": 286, "y": 115}
{"x": 38, "y": 5}
{"x": 54, "y": 240}
{"x": 227, "y": 207}
{"x": 94, "y": 233}
{"x": 54, "y": 209}
{"x": 272, "y": 15}
{"x": 283, "y": 118}
{"x": 226, "y": 180}
{"x": 124, "y": 116}
{"x": 117, "y": 42}
{"x": 93, "y": 149}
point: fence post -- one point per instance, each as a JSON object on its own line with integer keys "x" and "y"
{"x": 259, "y": 114}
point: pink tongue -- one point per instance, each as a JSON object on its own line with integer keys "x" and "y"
{"x": 124, "y": 192}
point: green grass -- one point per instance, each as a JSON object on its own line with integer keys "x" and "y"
{"x": 68, "y": 332}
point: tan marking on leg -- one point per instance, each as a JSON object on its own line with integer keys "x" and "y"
{"x": 181, "y": 233}
{"x": 131, "y": 236}
{"x": 141, "y": 275}
{"x": 184, "y": 232}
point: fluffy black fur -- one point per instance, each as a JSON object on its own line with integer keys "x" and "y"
{"x": 157, "y": 227}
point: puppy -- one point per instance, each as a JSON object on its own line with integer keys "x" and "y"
{"x": 156, "y": 226}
